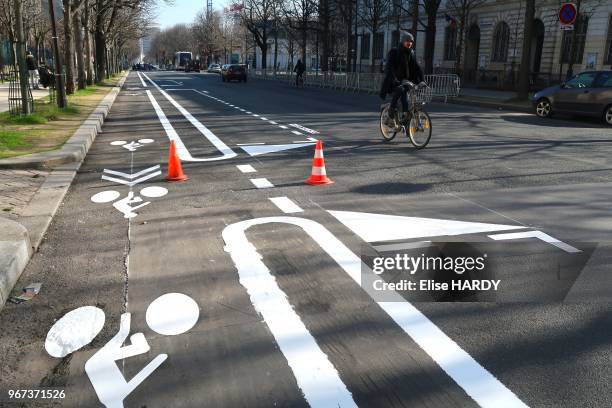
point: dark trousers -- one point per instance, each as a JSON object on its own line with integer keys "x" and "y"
{"x": 397, "y": 94}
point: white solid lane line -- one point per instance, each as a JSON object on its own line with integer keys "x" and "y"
{"x": 226, "y": 151}
{"x": 315, "y": 375}
{"x": 286, "y": 205}
{"x": 142, "y": 80}
{"x": 246, "y": 168}
{"x": 261, "y": 183}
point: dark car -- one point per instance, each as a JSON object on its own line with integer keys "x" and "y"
{"x": 234, "y": 71}
{"x": 588, "y": 93}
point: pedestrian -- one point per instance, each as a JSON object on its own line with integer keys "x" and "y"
{"x": 32, "y": 69}
{"x": 299, "y": 71}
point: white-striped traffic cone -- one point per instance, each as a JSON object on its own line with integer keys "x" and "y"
{"x": 318, "y": 175}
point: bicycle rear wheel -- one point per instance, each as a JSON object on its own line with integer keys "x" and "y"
{"x": 387, "y": 130}
{"x": 419, "y": 129}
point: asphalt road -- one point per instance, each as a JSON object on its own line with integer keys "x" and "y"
{"x": 281, "y": 321}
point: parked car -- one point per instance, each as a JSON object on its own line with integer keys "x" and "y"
{"x": 214, "y": 68}
{"x": 234, "y": 71}
{"x": 588, "y": 93}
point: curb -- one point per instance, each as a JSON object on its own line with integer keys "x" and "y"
{"x": 490, "y": 104}
{"x": 24, "y": 237}
{"x": 75, "y": 149}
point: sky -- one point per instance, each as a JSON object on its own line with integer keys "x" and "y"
{"x": 183, "y": 11}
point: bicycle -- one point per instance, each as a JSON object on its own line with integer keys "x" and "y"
{"x": 300, "y": 81}
{"x": 416, "y": 123}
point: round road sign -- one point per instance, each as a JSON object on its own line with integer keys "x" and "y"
{"x": 567, "y": 13}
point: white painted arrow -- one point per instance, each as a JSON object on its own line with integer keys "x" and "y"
{"x": 256, "y": 150}
{"x": 380, "y": 227}
{"x": 146, "y": 174}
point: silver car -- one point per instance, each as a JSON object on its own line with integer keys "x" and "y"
{"x": 588, "y": 93}
{"x": 214, "y": 68}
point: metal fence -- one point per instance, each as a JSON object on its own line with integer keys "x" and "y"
{"x": 442, "y": 86}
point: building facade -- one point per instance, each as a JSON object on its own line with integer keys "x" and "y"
{"x": 493, "y": 39}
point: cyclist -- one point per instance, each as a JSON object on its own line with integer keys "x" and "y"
{"x": 299, "y": 71}
{"x": 401, "y": 64}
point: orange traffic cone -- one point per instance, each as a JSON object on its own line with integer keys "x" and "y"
{"x": 318, "y": 175}
{"x": 175, "y": 171}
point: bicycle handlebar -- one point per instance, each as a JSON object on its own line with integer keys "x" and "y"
{"x": 407, "y": 85}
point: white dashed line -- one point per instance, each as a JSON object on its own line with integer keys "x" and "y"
{"x": 248, "y": 112}
{"x": 246, "y": 168}
{"x": 262, "y": 118}
{"x": 273, "y": 122}
{"x": 295, "y": 132}
{"x": 286, "y": 205}
{"x": 261, "y": 183}
{"x": 256, "y": 115}
{"x": 283, "y": 127}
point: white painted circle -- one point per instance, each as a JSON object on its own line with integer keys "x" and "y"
{"x": 172, "y": 314}
{"x": 154, "y": 191}
{"x": 118, "y": 143}
{"x": 145, "y": 141}
{"x": 74, "y": 330}
{"x": 105, "y": 196}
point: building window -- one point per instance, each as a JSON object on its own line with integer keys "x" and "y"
{"x": 450, "y": 43}
{"x": 608, "y": 52}
{"x": 379, "y": 45}
{"x": 365, "y": 46}
{"x": 566, "y": 42}
{"x": 501, "y": 39}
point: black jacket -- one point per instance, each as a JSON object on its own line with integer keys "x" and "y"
{"x": 31, "y": 62}
{"x": 395, "y": 70}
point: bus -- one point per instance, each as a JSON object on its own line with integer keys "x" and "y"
{"x": 181, "y": 59}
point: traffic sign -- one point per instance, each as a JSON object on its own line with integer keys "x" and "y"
{"x": 567, "y": 13}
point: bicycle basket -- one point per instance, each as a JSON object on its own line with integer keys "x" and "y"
{"x": 423, "y": 95}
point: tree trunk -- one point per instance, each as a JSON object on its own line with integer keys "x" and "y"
{"x": 88, "y": 59}
{"x": 430, "y": 42}
{"x": 68, "y": 46}
{"x": 415, "y": 18}
{"x": 349, "y": 29}
{"x": 78, "y": 44}
{"x": 462, "y": 20}
{"x": 275, "y": 49}
{"x": 523, "y": 85}
{"x": 21, "y": 59}
{"x": 100, "y": 53}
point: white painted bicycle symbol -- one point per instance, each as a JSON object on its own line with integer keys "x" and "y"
{"x": 170, "y": 314}
{"x": 131, "y": 146}
{"x": 125, "y": 205}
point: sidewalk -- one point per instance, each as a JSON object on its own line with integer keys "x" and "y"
{"x": 32, "y": 187}
{"x": 4, "y": 93}
{"x": 502, "y": 100}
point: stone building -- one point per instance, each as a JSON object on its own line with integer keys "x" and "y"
{"x": 493, "y": 41}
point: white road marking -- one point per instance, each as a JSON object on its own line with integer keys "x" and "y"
{"x": 142, "y": 80}
{"x": 295, "y": 132}
{"x": 105, "y": 196}
{"x": 180, "y": 146}
{"x": 382, "y": 227}
{"x": 539, "y": 235}
{"x": 283, "y": 127}
{"x": 315, "y": 375}
{"x": 246, "y": 168}
{"x": 273, "y": 122}
{"x": 172, "y": 314}
{"x": 255, "y": 115}
{"x": 272, "y": 303}
{"x": 145, "y": 141}
{"x": 256, "y": 150}
{"x": 261, "y": 183}
{"x": 262, "y": 118}
{"x": 106, "y": 377}
{"x": 118, "y": 143}
{"x": 286, "y": 205}
{"x": 154, "y": 191}
{"x": 74, "y": 330}
{"x": 132, "y": 176}
{"x": 249, "y": 144}
{"x": 304, "y": 128}
{"x": 135, "y": 178}
{"x": 248, "y": 112}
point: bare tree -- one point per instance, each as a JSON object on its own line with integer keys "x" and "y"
{"x": 299, "y": 16}
{"x": 257, "y": 16}
{"x": 431, "y": 8}
{"x": 462, "y": 9}
{"x": 373, "y": 15}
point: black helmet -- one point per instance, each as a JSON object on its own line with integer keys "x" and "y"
{"x": 406, "y": 36}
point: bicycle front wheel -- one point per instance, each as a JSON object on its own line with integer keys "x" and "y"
{"x": 419, "y": 129}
